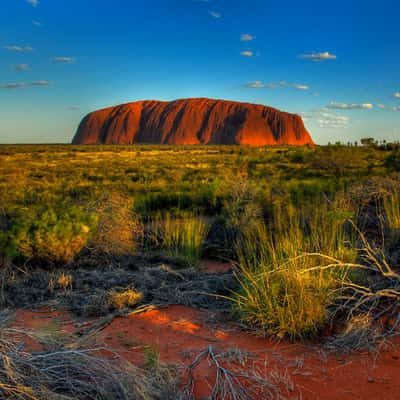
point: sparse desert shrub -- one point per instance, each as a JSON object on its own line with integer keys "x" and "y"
{"x": 56, "y": 235}
{"x": 182, "y": 238}
{"x": 119, "y": 230}
{"x": 127, "y": 298}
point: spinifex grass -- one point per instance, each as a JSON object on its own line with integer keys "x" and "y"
{"x": 181, "y": 238}
{"x": 284, "y": 289}
{"x": 391, "y": 205}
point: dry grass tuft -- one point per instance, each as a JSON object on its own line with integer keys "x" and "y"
{"x": 127, "y": 298}
{"x": 77, "y": 374}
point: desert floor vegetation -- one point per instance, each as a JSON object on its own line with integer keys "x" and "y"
{"x": 311, "y": 233}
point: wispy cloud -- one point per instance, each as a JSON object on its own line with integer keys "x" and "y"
{"x": 18, "y": 85}
{"x": 326, "y": 119}
{"x": 66, "y": 60}
{"x": 323, "y": 56}
{"x": 247, "y": 53}
{"x": 352, "y": 106}
{"x": 246, "y": 37}
{"x": 215, "y": 14}
{"x": 33, "y": 3}
{"x": 18, "y": 48}
{"x": 73, "y": 108}
{"x": 396, "y": 95}
{"x": 22, "y": 67}
{"x": 274, "y": 85}
{"x": 255, "y": 85}
{"x": 36, "y": 23}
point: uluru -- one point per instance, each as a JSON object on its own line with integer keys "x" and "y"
{"x": 192, "y": 121}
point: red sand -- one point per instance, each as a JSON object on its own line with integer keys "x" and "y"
{"x": 214, "y": 266}
{"x": 179, "y": 333}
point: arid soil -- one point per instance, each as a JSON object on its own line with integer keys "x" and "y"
{"x": 177, "y": 334}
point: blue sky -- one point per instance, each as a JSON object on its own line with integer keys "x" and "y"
{"x": 335, "y": 63}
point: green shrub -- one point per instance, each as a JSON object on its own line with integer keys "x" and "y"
{"x": 56, "y": 235}
{"x": 10, "y": 227}
{"x": 392, "y": 161}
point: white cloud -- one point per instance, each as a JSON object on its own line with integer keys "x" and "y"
{"x": 22, "y": 67}
{"x": 319, "y": 56}
{"x": 247, "y": 53}
{"x": 380, "y": 105}
{"x": 214, "y": 14}
{"x": 18, "y": 85}
{"x": 345, "y": 106}
{"x": 18, "y": 48}
{"x": 299, "y": 87}
{"x": 326, "y": 119}
{"x": 36, "y": 23}
{"x": 397, "y": 95}
{"x": 274, "y": 85}
{"x": 246, "y": 37}
{"x": 73, "y": 108}
{"x": 67, "y": 60}
{"x": 33, "y": 3}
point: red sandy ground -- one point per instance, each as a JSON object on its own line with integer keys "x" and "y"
{"x": 179, "y": 333}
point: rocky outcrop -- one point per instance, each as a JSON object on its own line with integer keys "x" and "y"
{"x": 192, "y": 121}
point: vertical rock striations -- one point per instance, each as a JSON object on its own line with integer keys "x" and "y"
{"x": 192, "y": 121}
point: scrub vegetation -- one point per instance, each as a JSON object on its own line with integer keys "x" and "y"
{"x": 309, "y": 230}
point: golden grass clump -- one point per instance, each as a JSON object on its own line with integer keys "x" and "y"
{"x": 284, "y": 288}
{"x": 392, "y": 209}
{"x": 127, "y": 298}
{"x": 181, "y": 238}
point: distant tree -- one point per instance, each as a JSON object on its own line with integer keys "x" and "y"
{"x": 367, "y": 141}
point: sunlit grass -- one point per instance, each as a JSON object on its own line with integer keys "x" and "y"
{"x": 181, "y": 238}
{"x": 283, "y": 290}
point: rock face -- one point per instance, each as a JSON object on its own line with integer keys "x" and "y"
{"x": 192, "y": 121}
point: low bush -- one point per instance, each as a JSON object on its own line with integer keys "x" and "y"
{"x": 10, "y": 228}
{"x": 119, "y": 230}
{"x": 55, "y": 235}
